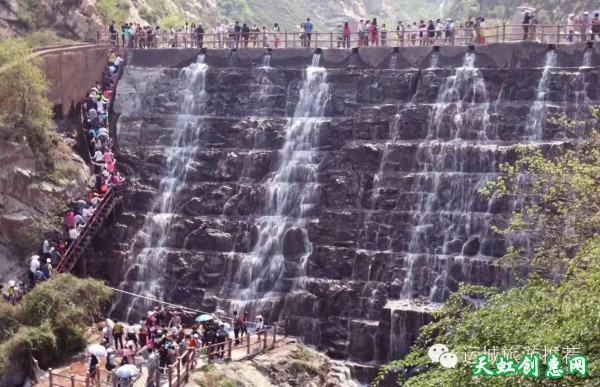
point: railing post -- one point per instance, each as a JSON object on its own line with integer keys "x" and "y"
{"x": 265, "y": 331}
{"x": 330, "y": 39}
{"x": 229, "y": 344}
{"x": 49, "y": 377}
{"x": 285, "y": 37}
{"x": 176, "y": 39}
{"x": 274, "y": 333}
{"x": 72, "y": 380}
{"x": 97, "y": 37}
{"x": 558, "y": 34}
{"x": 170, "y": 375}
{"x": 285, "y": 326}
{"x": 248, "y": 340}
{"x": 114, "y": 378}
{"x": 179, "y": 371}
{"x": 87, "y": 379}
{"x": 97, "y": 374}
{"x": 504, "y": 32}
{"x": 209, "y": 352}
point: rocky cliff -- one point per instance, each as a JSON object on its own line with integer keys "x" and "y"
{"x": 369, "y": 200}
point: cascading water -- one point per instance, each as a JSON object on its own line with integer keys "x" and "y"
{"x": 433, "y": 61}
{"x": 145, "y": 272}
{"x": 290, "y": 197}
{"x": 266, "y": 61}
{"x": 537, "y": 111}
{"x": 394, "y": 61}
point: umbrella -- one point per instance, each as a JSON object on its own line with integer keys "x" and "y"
{"x": 226, "y": 327}
{"x": 125, "y": 352}
{"x": 203, "y": 318}
{"x": 110, "y": 323}
{"x": 97, "y": 349}
{"x": 127, "y": 371}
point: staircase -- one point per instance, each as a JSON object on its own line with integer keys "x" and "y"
{"x": 113, "y": 197}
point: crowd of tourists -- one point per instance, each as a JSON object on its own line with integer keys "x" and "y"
{"x": 56, "y": 244}
{"x": 369, "y": 32}
{"x": 162, "y": 337}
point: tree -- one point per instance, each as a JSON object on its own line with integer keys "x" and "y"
{"x": 25, "y": 111}
{"x": 48, "y": 323}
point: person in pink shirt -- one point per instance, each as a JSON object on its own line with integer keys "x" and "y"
{"x": 70, "y": 219}
{"x": 109, "y": 157}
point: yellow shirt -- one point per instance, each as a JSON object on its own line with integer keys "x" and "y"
{"x": 112, "y": 57}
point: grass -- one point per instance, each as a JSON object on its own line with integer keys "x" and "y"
{"x": 44, "y": 37}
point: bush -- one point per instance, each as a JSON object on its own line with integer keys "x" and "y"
{"x": 52, "y": 319}
{"x": 113, "y": 10}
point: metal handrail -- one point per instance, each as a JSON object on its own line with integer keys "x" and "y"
{"x": 550, "y": 33}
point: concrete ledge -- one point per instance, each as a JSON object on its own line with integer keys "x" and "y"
{"x": 525, "y": 54}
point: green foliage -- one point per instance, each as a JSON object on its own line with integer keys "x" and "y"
{"x": 25, "y": 112}
{"x": 227, "y": 383}
{"x": 116, "y": 10}
{"x": 559, "y": 198}
{"x": 172, "y": 20}
{"x": 537, "y": 315}
{"x": 49, "y": 322}
{"x": 43, "y": 37}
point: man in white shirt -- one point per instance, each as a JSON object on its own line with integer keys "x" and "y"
{"x": 33, "y": 268}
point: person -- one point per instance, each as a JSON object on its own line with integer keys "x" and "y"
{"x": 237, "y": 325}
{"x": 237, "y": 30}
{"x": 33, "y": 268}
{"x": 276, "y": 36}
{"x": 244, "y": 327}
{"x": 526, "y": 20}
{"x": 430, "y": 33}
{"x": 245, "y": 34}
{"x": 47, "y": 269}
{"x": 583, "y": 21}
{"x": 571, "y": 27}
{"x": 157, "y": 35}
{"x": 469, "y": 31}
{"x": 383, "y": 34}
{"x": 533, "y": 26}
{"x": 92, "y": 367}
{"x": 361, "y": 32}
{"x": 439, "y": 31}
{"x": 449, "y": 27}
{"x": 302, "y": 35}
{"x": 175, "y": 321}
{"x": 422, "y": 27}
{"x": 374, "y": 29}
{"x": 218, "y": 32}
{"x": 346, "y": 35}
{"x": 260, "y": 325}
{"x": 113, "y": 33}
{"x": 255, "y": 31}
{"x": 595, "y": 26}
{"x": 340, "y": 35}
{"x": 118, "y": 334}
{"x": 481, "y": 30}
{"x": 308, "y": 28}
{"x": 400, "y": 33}
{"x": 110, "y": 360}
{"x": 367, "y": 33}
{"x": 221, "y": 337}
{"x": 413, "y": 31}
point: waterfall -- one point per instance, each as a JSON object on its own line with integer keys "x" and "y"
{"x": 266, "y": 61}
{"x": 433, "y": 61}
{"x": 464, "y": 93}
{"x": 587, "y": 58}
{"x": 394, "y": 61}
{"x": 149, "y": 251}
{"x": 463, "y": 96}
{"x": 537, "y": 111}
{"x": 282, "y": 238}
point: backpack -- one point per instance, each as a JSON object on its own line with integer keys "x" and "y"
{"x": 221, "y": 334}
{"x": 110, "y": 363}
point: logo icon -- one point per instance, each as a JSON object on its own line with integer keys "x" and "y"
{"x": 439, "y": 353}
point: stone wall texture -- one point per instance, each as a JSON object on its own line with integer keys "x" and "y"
{"x": 403, "y": 145}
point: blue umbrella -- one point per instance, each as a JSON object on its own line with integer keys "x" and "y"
{"x": 204, "y": 318}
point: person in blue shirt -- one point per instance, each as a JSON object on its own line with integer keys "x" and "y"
{"x": 308, "y": 27}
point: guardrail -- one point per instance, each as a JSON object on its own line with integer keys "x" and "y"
{"x": 548, "y": 33}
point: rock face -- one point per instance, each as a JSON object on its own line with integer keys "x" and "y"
{"x": 26, "y": 197}
{"x": 399, "y": 154}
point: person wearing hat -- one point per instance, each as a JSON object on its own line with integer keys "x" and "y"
{"x": 449, "y": 29}
{"x": 584, "y": 22}
{"x": 571, "y": 26}
{"x": 49, "y": 267}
